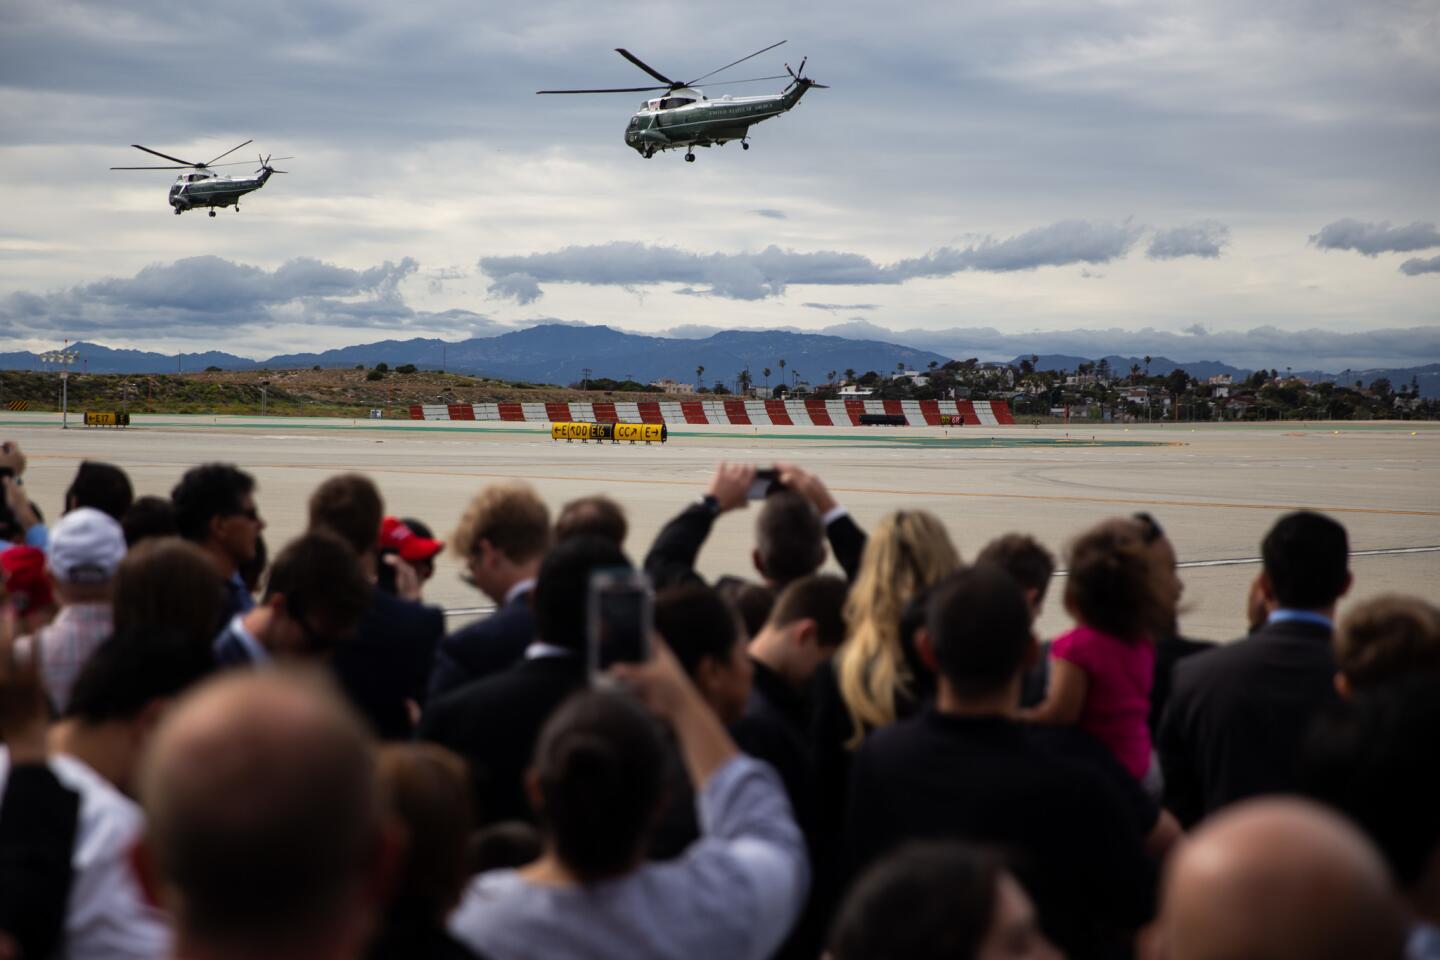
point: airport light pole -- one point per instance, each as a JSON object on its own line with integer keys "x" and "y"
{"x": 63, "y": 359}
{"x": 264, "y": 395}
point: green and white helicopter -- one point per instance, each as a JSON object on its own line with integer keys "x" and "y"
{"x": 683, "y": 116}
{"x": 206, "y": 189}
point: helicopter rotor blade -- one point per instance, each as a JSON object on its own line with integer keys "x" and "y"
{"x": 729, "y": 65}
{"x": 608, "y": 90}
{"x": 726, "y": 83}
{"x": 166, "y": 156}
{"x": 225, "y": 154}
{"x": 186, "y": 167}
{"x": 647, "y": 68}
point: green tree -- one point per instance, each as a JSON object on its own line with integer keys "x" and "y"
{"x": 830, "y": 377}
{"x": 766, "y": 372}
{"x": 699, "y": 373}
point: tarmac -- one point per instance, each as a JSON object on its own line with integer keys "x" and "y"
{"x": 1215, "y": 488}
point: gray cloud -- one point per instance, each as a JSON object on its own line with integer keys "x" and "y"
{"x": 770, "y": 212}
{"x": 755, "y": 276}
{"x": 1203, "y": 239}
{"x": 1416, "y": 266}
{"x": 1375, "y": 238}
{"x": 518, "y": 286}
{"x": 201, "y": 297}
{"x": 837, "y": 307}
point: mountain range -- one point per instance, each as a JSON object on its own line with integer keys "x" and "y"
{"x": 562, "y": 353}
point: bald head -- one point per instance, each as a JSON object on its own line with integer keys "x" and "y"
{"x": 263, "y": 813}
{"x": 1279, "y": 879}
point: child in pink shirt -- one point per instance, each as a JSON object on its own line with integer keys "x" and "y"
{"x": 1101, "y": 671}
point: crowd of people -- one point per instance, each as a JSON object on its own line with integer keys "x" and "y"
{"x": 213, "y": 752}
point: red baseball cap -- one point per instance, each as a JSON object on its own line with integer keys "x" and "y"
{"x": 25, "y": 578}
{"x": 395, "y": 535}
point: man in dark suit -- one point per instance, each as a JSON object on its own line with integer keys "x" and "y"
{"x": 1238, "y": 714}
{"x": 969, "y": 769}
{"x": 502, "y": 536}
{"x": 494, "y": 722}
{"x": 314, "y": 597}
{"x": 385, "y": 668}
{"x": 790, "y": 532}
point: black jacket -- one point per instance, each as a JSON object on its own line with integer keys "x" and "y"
{"x": 388, "y": 661}
{"x": 38, "y": 818}
{"x": 671, "y": 560}
{"x": 1066, "y": 832}
{"x": 494, "y": 722}
{"x": 484, "y": 647}
{"x": 1238, "y": 714}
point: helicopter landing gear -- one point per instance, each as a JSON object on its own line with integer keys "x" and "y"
{"x": 689, "y": 158}
{"x": 744, "y": 145}
{"x": 177, "y": 211}
{"x": 212, "y": 213}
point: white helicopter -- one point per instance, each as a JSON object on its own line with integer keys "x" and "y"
{"x": 205, "y": 189}
{"x": 683, "y": 117}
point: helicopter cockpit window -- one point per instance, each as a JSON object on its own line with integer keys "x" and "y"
{"x": 670, "y": 102}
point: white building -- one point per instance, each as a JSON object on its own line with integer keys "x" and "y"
{"x": 671, "y": 387}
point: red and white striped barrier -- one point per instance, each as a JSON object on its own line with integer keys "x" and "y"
{"x": 732, "y": 412}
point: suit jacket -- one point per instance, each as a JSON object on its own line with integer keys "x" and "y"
{"x": 494, "y": 722}
{"x": 484, "y": 647}
{"x": 1237, "y": 715}
{"x": 38, "y": 822}
{"x": 388, "y": 661}
{"x": 230, "y": 651}
{"x": 671, "y": 559}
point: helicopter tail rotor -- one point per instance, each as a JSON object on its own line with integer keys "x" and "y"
{"x": 798, "y": 78}
{"x": 265, "y": 163}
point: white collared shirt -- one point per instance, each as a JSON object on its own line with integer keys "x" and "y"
{"x": 524, "y": 586}
{"x": 108, "y": 917}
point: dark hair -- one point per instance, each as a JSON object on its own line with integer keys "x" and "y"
{"x": 562, "y": 585}
{"x": 1113, "y": 584}
{"x": 1369, "y": 761}
{"x": 149, "y": 517}
{"x": 322, "y": 583}
{"x": 169, "y": 582}
{"x": 599, "y": 762}
{"x": 818, "y": 597}
{"x": 1023, "y": 558}
{"x": 103, "y": 486}
{"x": 592, "y": 516}
{"x": 205, "y": 492}
{"x": 427, "y": 787}
{"x": 134, "y": 668}
{"x": 698, "y": 624}
{"x": 752, "y": 602}
{"x": 930, "y": 901}
{"x": 789, "y": 539}
{"x": 1307, "y": 560}
{"x": 979, "y": 627}
{"x": 349, "y": 505}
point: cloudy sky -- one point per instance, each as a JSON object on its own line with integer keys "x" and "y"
{"x": 1195, "y": 179}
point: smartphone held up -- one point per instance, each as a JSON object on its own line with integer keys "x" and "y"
{"x": 620, "y": 618}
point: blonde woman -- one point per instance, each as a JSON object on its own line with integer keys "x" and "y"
{"x": 871, "y": 680}
{"x": 908, "y": 552}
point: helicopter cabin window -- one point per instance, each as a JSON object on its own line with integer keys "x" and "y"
{"x": 670, "y": 102}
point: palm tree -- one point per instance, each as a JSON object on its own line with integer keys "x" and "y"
{"x": 849, "y": 373}
{"x": 782, "y": 369}
{"x": 699, "y": 374}
{"x": 1147, "y": 367}
{"x": 1134, "y": 371}
{"x": 766, "y": 371}
{"x": 830, "y": 377}
{"x": 742, "y": 383}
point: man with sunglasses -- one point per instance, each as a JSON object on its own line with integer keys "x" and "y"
{"x": 215, "y": 508}
{"x": 314, "y": 598}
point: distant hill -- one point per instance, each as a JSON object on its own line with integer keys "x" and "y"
{"x": 559, "y": 353}
{"x": 553, "y": 353}
{"x": 1158, "y": 367}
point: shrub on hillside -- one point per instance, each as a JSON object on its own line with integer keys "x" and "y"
{"x": 376, "y": 374}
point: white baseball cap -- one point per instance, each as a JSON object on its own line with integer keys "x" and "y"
{"x": 85, "y": 546}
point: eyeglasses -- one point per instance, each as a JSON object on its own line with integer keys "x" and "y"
{"x": 249, "y": 513}
{"x": 1153, "y": 530}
